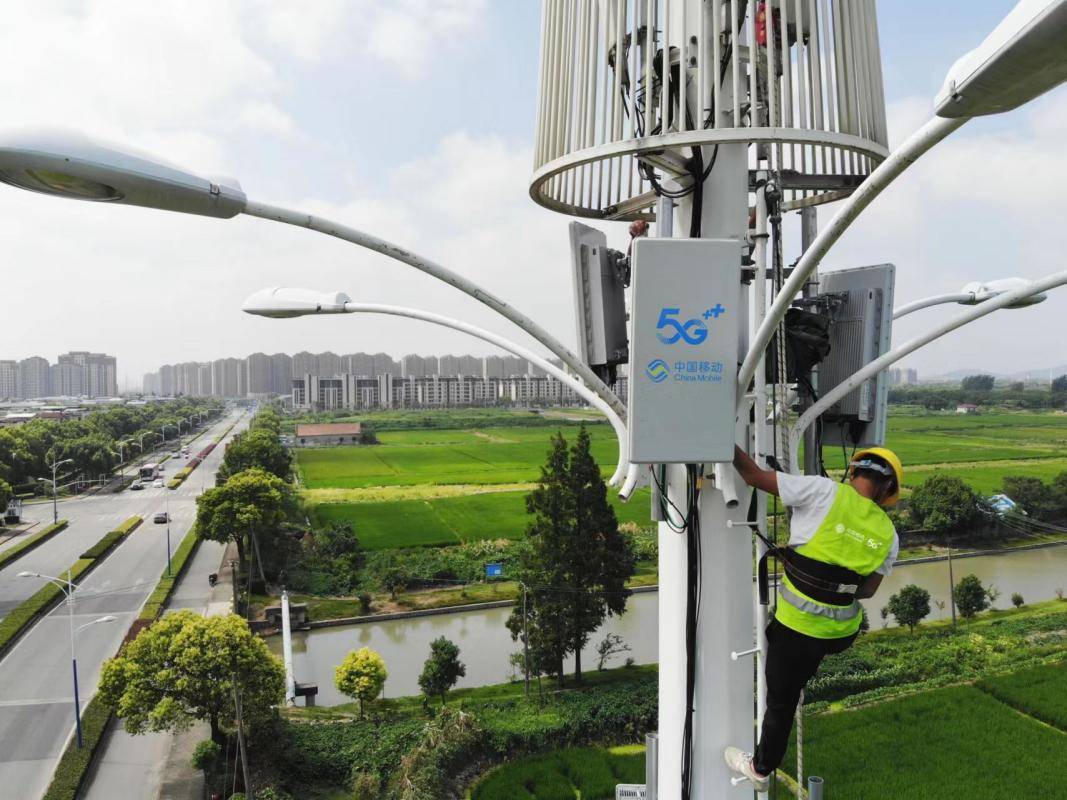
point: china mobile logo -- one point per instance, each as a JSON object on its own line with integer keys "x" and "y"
{"x": 657, "y": 370}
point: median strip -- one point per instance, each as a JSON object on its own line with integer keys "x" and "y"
{"x": 20, "y": 618}
{"x": 30, "y": 542}
{"x": 75, "y": 763}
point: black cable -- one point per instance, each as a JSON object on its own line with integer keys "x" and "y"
{"x": 692, "y": 612}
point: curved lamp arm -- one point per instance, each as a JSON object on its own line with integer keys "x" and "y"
{"x": 354, "y": 236}
{"x": 529, "y": 355}
{"x": 897, "y": 353}
{"x": 936, "y": 300}
{"x": 899, "y": 160}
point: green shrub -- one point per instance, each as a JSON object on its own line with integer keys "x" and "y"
{"x": 111, "y": 538}
{"x": 206, "y": 755}
{"x": 30, "y": 542}
{"x": 74, "y": 763}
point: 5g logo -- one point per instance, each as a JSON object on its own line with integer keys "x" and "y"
{"x": 693, "y": 331}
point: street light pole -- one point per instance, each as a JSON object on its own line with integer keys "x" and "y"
{"x": 55, "y": 503}
{"x": 67, "y": 586}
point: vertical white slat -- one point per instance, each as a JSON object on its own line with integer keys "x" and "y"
{"x": 624, "y": 162}
{"x": 735, "y": 58}
{"x": 594, "y": 84}
{"x": 816, "y": 75}
{"x": 841, "y": 71}
{"x": 558, "y": 146}
{"x": 650, "y": 46}
{"x": 551, "y": 74}
{"x": 619, "y": 32}
{"x": 787, "y": 78}
{"x": 568, "y": 94}
{"x": 580, "y": 109}
{"x": 683, "y": 66}
{"x": 829, "y": 68}
{"x": 803, "y": 82}
{"x": 882, "y": 136}
{"x": 715, "y": 67}
{"x": 703, "y": 53}
{"x": 753, "y": 60}
{"x": 542, "y": 93}
{"x": 665, "y": 71}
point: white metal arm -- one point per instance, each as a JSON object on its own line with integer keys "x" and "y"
{"x": 936, "y": 300}
{"x": 354, "y": 236}
{"x": 631, "y": 470}
{"x": 899, "y": 160}
{"x": 897, "y": 353}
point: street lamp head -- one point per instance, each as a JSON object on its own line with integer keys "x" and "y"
{"x": 71, "y": 165}
{"x": 25, "y": 574}
{"x": 108, "y": 618}
{"x": 282, "y": 302}
{"x": 1021, "y": 59}
{"x": 982, "y": 291}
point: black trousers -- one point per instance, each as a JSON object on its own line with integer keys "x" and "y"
{"x": 792, "y": 660}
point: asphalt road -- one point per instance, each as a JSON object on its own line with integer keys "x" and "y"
{"x": 36, "y": 695}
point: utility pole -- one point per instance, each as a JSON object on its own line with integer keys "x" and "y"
{"x": 951, "y": 583}
{"x": 241, "y": 737}
{"x": 525, "y": 645}
{"x": 236, "y": 589}
{"x": 809, "y": 229}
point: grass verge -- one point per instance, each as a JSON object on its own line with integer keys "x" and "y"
{"x": 30, "y": 542}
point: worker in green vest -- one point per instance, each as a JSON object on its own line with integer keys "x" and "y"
{"x": 841, "y": 545}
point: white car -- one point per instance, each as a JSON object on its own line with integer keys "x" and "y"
{"x": 158, "y": 483}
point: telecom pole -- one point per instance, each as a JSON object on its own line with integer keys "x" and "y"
{"x": 691, "y": 112}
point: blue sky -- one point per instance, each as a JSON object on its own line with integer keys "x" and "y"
{"x": 414, "y": 119}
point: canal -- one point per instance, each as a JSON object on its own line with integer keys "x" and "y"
{"x": 485, "y": 643}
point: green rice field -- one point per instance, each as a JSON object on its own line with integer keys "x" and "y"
{"x": 587, "y": 772}
{"x": 451, "y": 520}
{"x": 980, "y": 449}
{"x": 487, "y": 456}
{"x": 958, "y": 742}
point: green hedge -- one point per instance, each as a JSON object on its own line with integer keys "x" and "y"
{"x": 30, "y": 542}
{"x": 111, "y": 538}
{"x": 74, "y": 763}
{"x": 20, "y": 617}
{"x": 174, "y": 483}
{"x": 181, "y": 557}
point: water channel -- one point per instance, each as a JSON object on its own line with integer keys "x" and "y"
{"x": 485, "y": 643}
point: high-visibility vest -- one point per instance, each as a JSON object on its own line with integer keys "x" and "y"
{"x": 855, "y": 538}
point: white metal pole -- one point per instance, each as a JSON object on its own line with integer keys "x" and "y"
{"x": 287, "y": 652}
{"x": 266, "y": 211}
{"x": 935, "y": 300}
{"x": 516, "y": 349}
{"x": 897, "y": 353}
{"x": 899, "y": 160}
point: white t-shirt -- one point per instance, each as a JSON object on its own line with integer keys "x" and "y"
{"x": 810, "y": 498}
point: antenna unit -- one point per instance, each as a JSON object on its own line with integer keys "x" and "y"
{"x": 861, "y": 312}
{"x": 600, "y": 279}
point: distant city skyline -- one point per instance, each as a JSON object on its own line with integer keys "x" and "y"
{"x": 76, "y": 373}
{"x": 263, "y": 374}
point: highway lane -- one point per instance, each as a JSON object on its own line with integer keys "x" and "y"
{"x": 92, "y": 517}
{"x": 36, "y": 703}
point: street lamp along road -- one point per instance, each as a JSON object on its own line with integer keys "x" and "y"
{"x": 68, "y": 587}
{"x": 73, "y": 166}
{"x": 283, "y": 303}
{"x": 974, "y": 293}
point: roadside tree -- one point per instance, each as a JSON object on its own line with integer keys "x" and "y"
{"x": 361, "y": 676}
{"x": 970, "y": 596}
{"x": 253, "y": 503}
{"x": 1035, "y": 496}
{"x": 5, "y": 497}
{"x": 259, "y": 447}
{"x": 910, "y": 606}
{"x": 184, "y": 667}
{"x": 442, "y": 669}
{"x": 945, "y": 504}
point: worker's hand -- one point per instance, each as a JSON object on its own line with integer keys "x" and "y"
{"x": 639, "y": 227}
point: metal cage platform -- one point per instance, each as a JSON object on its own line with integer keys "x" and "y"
{"x": 801, "y": 80}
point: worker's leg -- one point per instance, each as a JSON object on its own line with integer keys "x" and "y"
{"x": 792, "y": 660}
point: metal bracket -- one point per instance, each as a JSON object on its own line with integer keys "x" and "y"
{"x": 736, "y": 654}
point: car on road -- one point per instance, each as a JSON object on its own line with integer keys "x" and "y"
{"x": 137, "y": 486}
{"x": 158, "y": 483}
{"x": 161, "y": 518}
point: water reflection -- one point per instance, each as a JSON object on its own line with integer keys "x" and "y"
{"x": 485, "y": 643}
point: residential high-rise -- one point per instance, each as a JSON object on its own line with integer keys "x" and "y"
{"x": 386, "y": 365}
{"x": 327, "y": 364}
{"x": 166, "y": 380}
{"x": 9, "y": 380}
{"x": 259, "y": 367}
{"x": 35, "y": 380}
{"x": 304, "y": 363}
{"x": 412, "y": 366}
{"x": 89, "y": 374}
{"x": 281, "y": 373}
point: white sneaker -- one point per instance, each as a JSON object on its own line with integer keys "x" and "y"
{"x": 741, "y": 762}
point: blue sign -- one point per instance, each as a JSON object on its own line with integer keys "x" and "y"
{"x": 494, "y": 570}
{"x": 692, "y": 331}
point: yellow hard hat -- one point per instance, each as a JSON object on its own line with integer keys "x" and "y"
{"x": 889, "y": 457}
